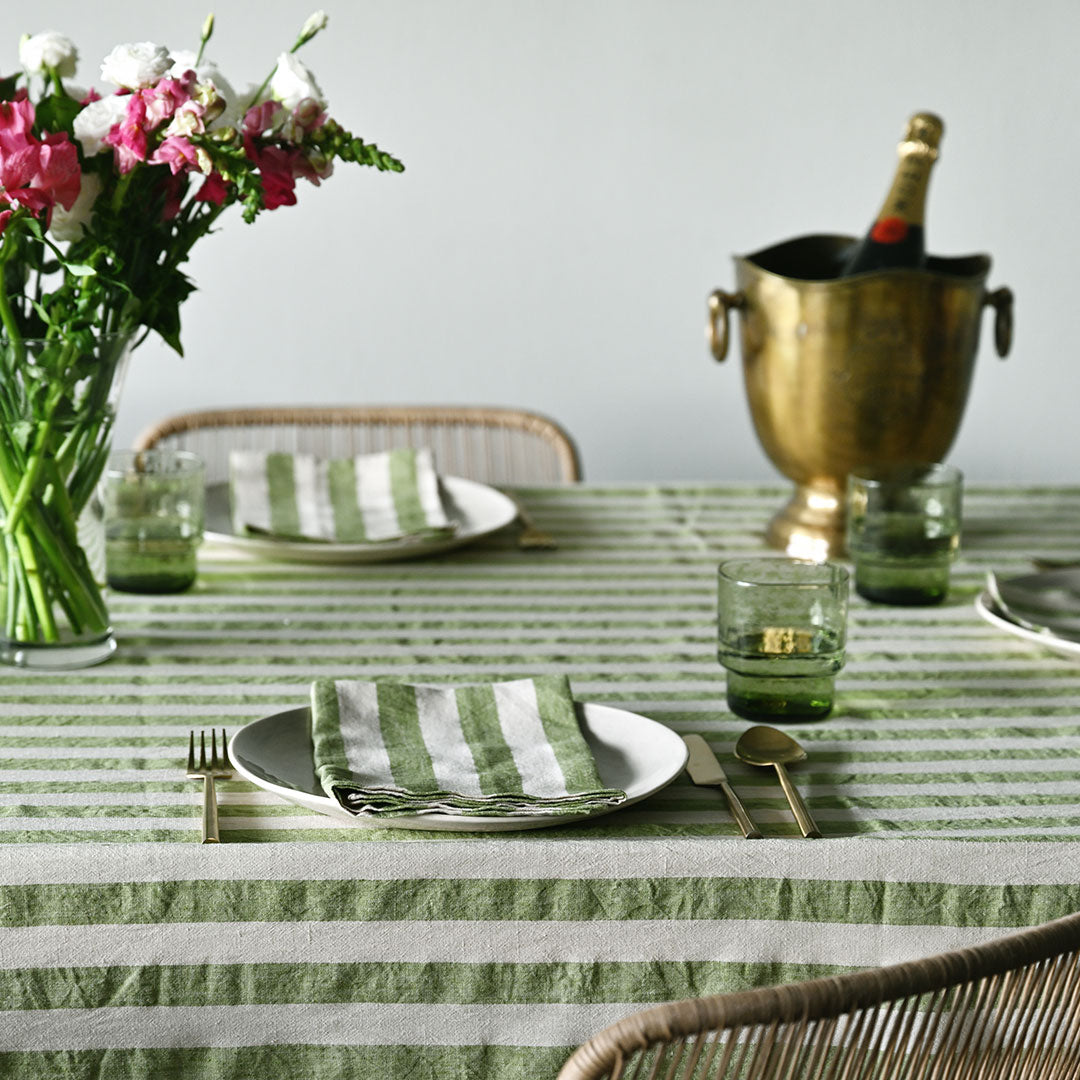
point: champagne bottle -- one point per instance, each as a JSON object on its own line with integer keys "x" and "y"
{"x": 895, "y": 240}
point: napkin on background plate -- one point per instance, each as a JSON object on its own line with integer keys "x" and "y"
{"x": 366, "y": 499}
{"x": 493, "y": 749}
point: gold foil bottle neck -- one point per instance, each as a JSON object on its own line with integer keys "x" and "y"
{"x": 922, "y": 135}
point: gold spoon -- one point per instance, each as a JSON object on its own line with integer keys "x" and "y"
{"x": 765, "y": 746}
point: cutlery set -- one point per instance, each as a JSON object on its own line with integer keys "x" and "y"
{"x": 761, "y": 746}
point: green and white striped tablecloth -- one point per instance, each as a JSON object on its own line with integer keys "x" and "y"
{"x": 947, "y": 780}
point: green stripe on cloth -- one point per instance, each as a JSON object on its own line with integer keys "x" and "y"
{"x": 410, "y": 762}
{"x": 480, "y": 724}
{"x": 403, "y": 487}
{"x": 547, "y": 900}
{"x": 242, "y": 1063}
{"x": 284, "y": 518}
{"x": 348, "y": 519}
{"x": 561, "y": 727}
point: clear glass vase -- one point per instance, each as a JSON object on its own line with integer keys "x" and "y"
{"x": 57, "y": 405}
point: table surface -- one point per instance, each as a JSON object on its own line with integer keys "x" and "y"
{"x": 947, "y": 782}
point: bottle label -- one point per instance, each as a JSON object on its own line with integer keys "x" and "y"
{"x": 906, "y": 200}
{"x": 889, "y": 230}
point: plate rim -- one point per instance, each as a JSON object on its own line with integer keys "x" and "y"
{"x": 299, "y": 551}
{"x": 984, "y": 605}
{"x": 462, "y": 822}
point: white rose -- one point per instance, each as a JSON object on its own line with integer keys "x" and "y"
{"x": 292, "y": 82}
{"x": 93, "y": 123}
{"x": 48, "y": 51}
{"x": 136, "y": 65}
{"x": 69, "y": 224}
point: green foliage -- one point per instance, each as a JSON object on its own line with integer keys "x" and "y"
{"x": 57, "y": 112}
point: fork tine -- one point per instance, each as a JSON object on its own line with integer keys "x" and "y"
{"x": 213, "y": 751}
{"x": 202, "y": 749}
{"x": 191, "y": 752}
{"x": 226, "y": 763}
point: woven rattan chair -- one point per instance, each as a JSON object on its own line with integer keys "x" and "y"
{"x": 494, "y": 446}
{"x": 1004, "y": 1010}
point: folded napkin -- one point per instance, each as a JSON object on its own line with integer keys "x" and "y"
{"x": 495, "y": 749}
{"x": 369, "y": 498}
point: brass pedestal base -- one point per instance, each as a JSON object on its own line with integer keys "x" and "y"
{"x": 811, "y": 525}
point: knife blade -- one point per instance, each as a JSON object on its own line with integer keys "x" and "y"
{"x": 706, "y": 771}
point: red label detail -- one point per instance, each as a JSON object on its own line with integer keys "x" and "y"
{"x": 890, "y": 230}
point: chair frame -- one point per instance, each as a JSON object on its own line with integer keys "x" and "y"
{"x": 1010, "y": 976}
{"x": 394, "y": 416}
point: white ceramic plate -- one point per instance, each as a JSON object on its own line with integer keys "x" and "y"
{"x": 474, "y": 508}
{"x": 1037, "y": 586}
{"x": 634, "y": 754}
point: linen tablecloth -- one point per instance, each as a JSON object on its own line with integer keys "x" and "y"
{"x": 947, "y": 781}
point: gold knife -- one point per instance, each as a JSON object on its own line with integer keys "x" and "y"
{"x": 705, "y": 770}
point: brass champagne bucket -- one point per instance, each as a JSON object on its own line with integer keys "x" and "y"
{"x": 872, "y": 369}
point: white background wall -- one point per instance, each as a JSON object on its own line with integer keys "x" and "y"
{"x": 579, "y": 174}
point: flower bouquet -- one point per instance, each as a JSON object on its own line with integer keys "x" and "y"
{"x": 103, "y": 194}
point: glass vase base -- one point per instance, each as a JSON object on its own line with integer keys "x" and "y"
{"x": 62, "y": 656}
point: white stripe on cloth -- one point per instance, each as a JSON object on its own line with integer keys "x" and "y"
{"x": 440, "y": 727}
{"x": 313, "y": 512}
{"x": 375, "y": 496}
{"x": 485, "y": 941}
{"x": 523, "y": 730}
{"x": 334, "y": 1024}
{"x": 365, "y": 750}
{"x": 867, "y": 859}
{"x": 250, "y": 489}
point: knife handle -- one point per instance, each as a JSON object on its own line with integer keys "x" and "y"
{"x": 738, "y": 811}
{"x": 806, "y": 823}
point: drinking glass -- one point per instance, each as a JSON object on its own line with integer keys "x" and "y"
{"x": 904, "y": 531}
{"x": 781, "y": 632}
{"x": 153, "y": 506}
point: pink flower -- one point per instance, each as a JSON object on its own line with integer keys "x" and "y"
{"x": 172, "y": 189}
{"x": 35, "y": 173}
{"x": 261, "y": 118}
{"x": 129, "y": 145}
{"x": 91, "y": 96}
{"x": 275, "y": 167}
{"x": 309, "y": 114}
{"x": 4, "y": 215}
{"x": 16, "y": 123}
{"x": 178, "y": 153}
{"x": 214, "y": 189}
{"x": 163, "y": 99}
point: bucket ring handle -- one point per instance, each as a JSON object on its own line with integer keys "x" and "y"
{"x": 1001, "y": 300}
{"x": 717, "y": 331}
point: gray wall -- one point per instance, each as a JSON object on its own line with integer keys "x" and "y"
{"x": 579, "y": 174}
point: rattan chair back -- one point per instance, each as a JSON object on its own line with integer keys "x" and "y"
{"x": 1005, "y": 1010}
{"x": 492, "y": 445}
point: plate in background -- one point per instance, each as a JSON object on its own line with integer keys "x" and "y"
{"x": 474, "y": 508}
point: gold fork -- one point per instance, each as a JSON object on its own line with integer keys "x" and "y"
{"x": 207, "y": 772}
{"x": 531, "y": 537}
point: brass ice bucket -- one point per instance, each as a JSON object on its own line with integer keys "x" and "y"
{"x": 872, "y": 369}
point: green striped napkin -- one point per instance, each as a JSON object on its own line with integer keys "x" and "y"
{"x": 365, "y": 499}
{"x": 491, "y": 750}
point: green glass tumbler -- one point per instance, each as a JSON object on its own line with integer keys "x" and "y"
{"x": 153, "y": 504}
{"x": 903, "y": 531}
{"x": 781, "y": 633}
